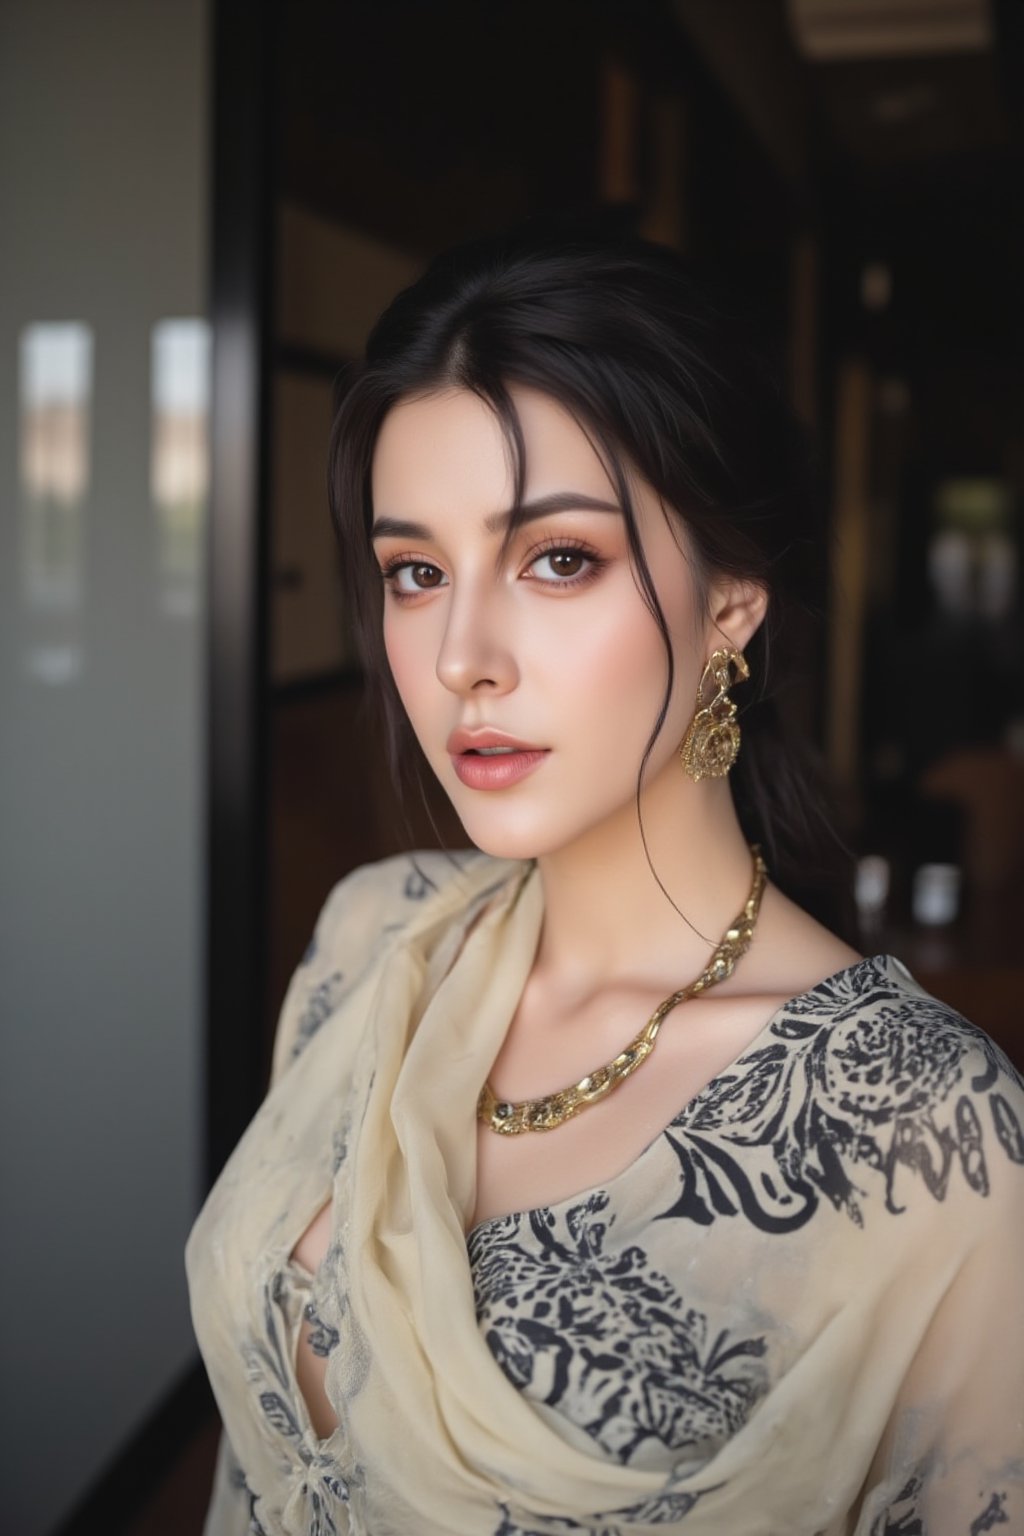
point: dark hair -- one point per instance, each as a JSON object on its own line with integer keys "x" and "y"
{"x": 664, "y": 378}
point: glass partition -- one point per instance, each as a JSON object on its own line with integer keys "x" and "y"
{"x": 104, "y": 472}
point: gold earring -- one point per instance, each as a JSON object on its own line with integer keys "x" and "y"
{"x": 712, "y": 743}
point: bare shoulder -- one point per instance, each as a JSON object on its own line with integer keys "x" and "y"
{"x": 792, "y": 952}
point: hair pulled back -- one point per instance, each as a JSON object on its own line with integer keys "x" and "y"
{"x": 667, "y": 382}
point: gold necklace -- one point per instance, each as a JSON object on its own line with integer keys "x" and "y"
{"x": 556, "y": 1108}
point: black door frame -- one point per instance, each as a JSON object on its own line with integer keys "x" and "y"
{"x": 242, "y": 273}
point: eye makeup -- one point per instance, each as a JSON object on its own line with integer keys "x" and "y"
{"x": 424, "y": 574}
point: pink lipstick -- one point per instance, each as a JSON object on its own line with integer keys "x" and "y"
{"x": 489, "y": 759}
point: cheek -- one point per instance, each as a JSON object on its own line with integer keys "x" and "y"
{"x": 409, "y": 662}
{"x": 622, "y": 670}
{"x": 619, "y": 648}
{"x": 611, "y": 671}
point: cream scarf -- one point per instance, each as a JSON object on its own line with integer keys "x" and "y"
{"x": 433, "y": 1440}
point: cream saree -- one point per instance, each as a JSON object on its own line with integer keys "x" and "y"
{"x": 799, "y": 1311}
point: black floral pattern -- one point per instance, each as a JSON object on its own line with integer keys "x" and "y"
{"x": 860, "y": 1095}
{"x": 858, "y": 1092}
{"x": 510, "y": 1525}
{"x": 322, "y": 1337}
{"x": 662, "y": 1509}
{"x": 605, "y": 1337}
{"x": 858, "y": 1083}
{"x": 992, "y": 1515}
{"x": 319, "y": 1481}
{"x": 319, "y": 1004}
{"x": 266, "y": 1356}
{"x": 904, "y": 1515}
{"x": 902, "y": 1518}
{"x": 418, "y": 885}
{"x": 238, "y": 1482}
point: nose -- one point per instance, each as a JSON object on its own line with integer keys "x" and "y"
{"x": 475, "y": 654}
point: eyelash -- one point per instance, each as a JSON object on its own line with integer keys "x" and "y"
{"x": 595, "y": 564}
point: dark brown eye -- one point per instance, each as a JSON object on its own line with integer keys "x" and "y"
{"x": 556, "y": 565}
{"x": 407, "y": 577}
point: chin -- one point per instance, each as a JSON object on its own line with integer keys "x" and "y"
{"x": 504, "y": 835}
{"x": 501, "y": 842}
{"x": 529, "y": 821}
{"x": 495, "y": 829}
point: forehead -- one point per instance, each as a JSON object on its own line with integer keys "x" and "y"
{"x": 448, "y": 449}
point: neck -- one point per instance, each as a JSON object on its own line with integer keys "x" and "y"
{"x": 605, "y": 916}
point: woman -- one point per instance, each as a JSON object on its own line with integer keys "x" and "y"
{"x": 599, "y": 1187}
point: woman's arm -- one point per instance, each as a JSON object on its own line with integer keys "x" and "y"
{"x": 951, "y": 1461}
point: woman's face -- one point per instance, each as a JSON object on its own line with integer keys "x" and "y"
{"x": 550, "y": 649}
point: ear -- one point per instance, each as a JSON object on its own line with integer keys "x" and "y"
{"x": 736, "y": 610}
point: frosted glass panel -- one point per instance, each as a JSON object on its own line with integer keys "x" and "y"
{"x": 104, "y": 393}
{"x": 179, "y": 479}
{"x": 55, "y": 389}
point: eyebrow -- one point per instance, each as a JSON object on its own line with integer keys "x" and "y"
{"x": 496, "y": 522}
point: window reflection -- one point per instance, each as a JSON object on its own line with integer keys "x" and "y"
{"x": 55, "y": 391}
{"x": 179, "y": 462}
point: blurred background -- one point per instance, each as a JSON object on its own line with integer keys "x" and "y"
{"x": 205, "y": 203}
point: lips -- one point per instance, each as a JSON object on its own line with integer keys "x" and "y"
{"x": 482, "y": 740}
{"x": 489, "y": 759}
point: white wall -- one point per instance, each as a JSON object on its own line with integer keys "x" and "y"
{"x": 103, "y": 165}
